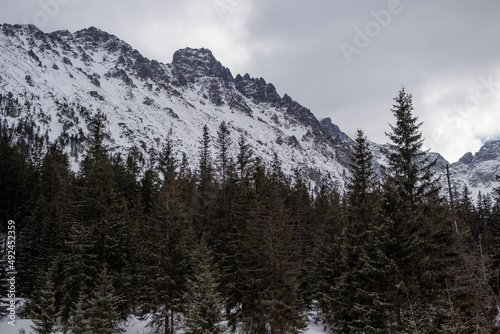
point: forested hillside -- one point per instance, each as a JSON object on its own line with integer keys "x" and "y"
{"x": 231, "y": 244}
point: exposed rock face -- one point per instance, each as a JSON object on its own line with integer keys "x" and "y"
{"x": 479, "y": 171}
{"x": 70, "y": 76}
{"x": 52, "y": 84}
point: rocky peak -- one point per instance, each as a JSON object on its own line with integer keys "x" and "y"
{"x": 93, "y": 34}
{"x": 489, "y": 151}
{"x": 256, "y": 89}
{"x": 334, "y": 131}
{"x": 193, "y": 64}
{"x": 467, "y": 158}
{"x": 11, "y": 30}
{"x": 96, "y": 38}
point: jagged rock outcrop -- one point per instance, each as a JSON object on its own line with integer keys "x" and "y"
{"x": 70, "y": 76}
{"x": 51, "y": 84}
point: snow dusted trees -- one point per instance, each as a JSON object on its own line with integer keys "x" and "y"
{"x": 235, "y": 241}
{"x": 420, "y": 235}
{"x": 356, "y": 302}
{"x": 204, "y": 302}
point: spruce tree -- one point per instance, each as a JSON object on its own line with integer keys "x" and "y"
{"x": 268, "y": 278}
{"x": 356, "y": 302}
{"x": 204, "y": 303}
{"x": 102, "y": 309}
{"x": 47, "y": 225}
{"x": 165, "y": 253}
{"x": 421, "y": 233}
{"x": 207, "y": 187}
{"x": 329, "y": 212}
{"x": 410, "y": 168}
{"x": 223, "y": 144}
{"x": 80, "y": 271}
{"x": 78, "y": 322}
{"x": 45, "y": 315}
{"x": 104, "y": 209}
{"x": 244, "y": 157}
{"x": 305, "y": 229}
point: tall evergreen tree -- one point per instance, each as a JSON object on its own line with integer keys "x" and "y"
{"x": 410, "y": 168}
{"x": 45, "y": 315}
{"x": 305, "y": 230}
{"x": 80, "y": 271}
{"x": 421, "y": 233}
{"x": 329, "y": 211}
{"x": 356, "y": 302}
{"x": 166, "y": 263}
{"x": 223, "y": 144}
{"x": 268, "y": 285}
{"x": 244, "y": 157}
{"x": 207, "y": 188}
{"x": 102, "y": 309}
{"x": 204, "y": 304}
{"x": 47, "y": 225}
{"x": 104, "y": 209}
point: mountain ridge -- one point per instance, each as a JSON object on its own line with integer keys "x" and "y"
{"x": 52, "y": 84}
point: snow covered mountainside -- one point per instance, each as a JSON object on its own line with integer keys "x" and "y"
{"x": 51, "y": 84}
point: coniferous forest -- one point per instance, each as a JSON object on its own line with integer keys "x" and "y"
{"x": 233, "y": 245}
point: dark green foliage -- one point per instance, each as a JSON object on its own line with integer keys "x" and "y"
{"x": 357, "y": 297}
{"x": 204, "y": 303}
{"x": 267, "y": 283}
{"x": 102, "y": 309}
{"x": 165, "y": 251}
{"x": 44, "y": 311}
{"x": 409, "y": 168}
{"x": 234, "y": 239}
{"x": 421, "y": 240}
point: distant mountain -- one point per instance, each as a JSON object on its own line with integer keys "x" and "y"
{"x": 478, "y": 171}
{"x": 51, "y": 84}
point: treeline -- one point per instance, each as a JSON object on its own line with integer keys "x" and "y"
{"x": 233, "y": 245}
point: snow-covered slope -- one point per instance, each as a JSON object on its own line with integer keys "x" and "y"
{"x": 479, "y": 171}
{"x": 52, "y": 84}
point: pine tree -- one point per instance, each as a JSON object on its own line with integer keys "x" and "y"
{"x": 421, "y": 234}
{"x": 329, "y": 212}
{"x": 45, "y": 315}
{"x": 223, "y": 143}
{"x": 356, "y": 299}
{"x": 48, "y": 223}
{"x": 207, "y": 187}
{"x": 103, "y": 208}
{"x": 78, "y": 322}
{"x": 244, "y": 157}
{"x": 410, "y": 168}
{"x": 305, "y": 229}
{"x": 165, "y": 253}
{"x": 204, "y": 304}
{"x": 80, "y": 271}
{"x": 102, "y": 309}
{"x": 268, "y": 282}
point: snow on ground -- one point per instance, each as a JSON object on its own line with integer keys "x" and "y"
{"x": 133, "y": 326}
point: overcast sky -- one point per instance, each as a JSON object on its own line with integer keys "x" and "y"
{"x": 343, "y": 59}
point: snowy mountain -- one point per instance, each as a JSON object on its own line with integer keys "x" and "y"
{"x": 51, "y": 84}
{"x": 479, "y": 171}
